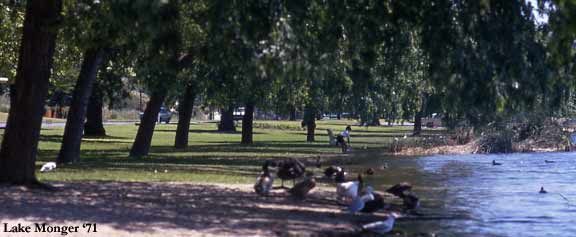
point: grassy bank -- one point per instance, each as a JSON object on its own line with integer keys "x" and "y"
{"x": 212, "y": 157}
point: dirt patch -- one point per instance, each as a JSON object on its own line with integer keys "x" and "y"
{"x": 176, "y": 209}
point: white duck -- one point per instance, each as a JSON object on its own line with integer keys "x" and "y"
{"x": 264, "y": 181}
{"x": 347, "y": 190}
{"x": 50, "y": 166}
{"x": 382, "y": 227}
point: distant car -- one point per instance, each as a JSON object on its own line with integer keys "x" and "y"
{"x": 163, "y": 116}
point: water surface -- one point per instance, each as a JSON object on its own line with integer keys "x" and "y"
{"x": 465, "y": 195}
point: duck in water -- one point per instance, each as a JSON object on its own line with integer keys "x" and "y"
{"x": 542, "y": 190}
{"x": 264, "y": 181}
{"x": 495, "y": 163}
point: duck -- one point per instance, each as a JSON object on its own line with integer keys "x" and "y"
{"x": 359, "y": 202}
{"x": 264, "y": 181}
{"x": 50, "y": 166}
{"x": 301, "y": 189}
{"x": 410, "y": 201}
{"x": 290, "y": 169}
{"x": 347, "y": 190}
{"x": 383, "y": 226}
{"x": 331, "y": 171}
{"x": 495, "y": 163}
{"x": 549, "y": 161}
{"x": 399, "y": 189}
{"x": 375, "y": 204}
{"x": 369, "y": 171}
{"x": 542, "y": 190}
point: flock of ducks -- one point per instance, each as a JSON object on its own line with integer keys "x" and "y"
{"x": 355, "y": 194}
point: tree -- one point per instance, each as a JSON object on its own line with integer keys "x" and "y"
{"x": 158, "y": 67}
{"x": 20, "y": 143}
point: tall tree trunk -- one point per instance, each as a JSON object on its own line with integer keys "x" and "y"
{"x": 20, "y": 143}
{"x": 70, "y": 149}
{"x": 419, "y": 114}
{"x": 247, "y": 121}
{"x": 94, "y": 125}
{"x": 417, "y": 123}
{"x": 184, "y": 116}
{"x": 143, "y": 138}
{"x": 311, "y": 128}
{"x": 227, "y": 120}
{"x": 310, "y": 121}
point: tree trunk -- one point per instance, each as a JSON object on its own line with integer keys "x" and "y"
{"x": 185, "y": 109}
{"x": 20, "y": 143}
{"x": 292, "y": 113}
{"x": 227, "y": 120}
{"x": 310, "y": 121}
{"x": 70, "y": 149}
{"x": 375, "y": 120}
{"x": 417, "y": 124}
{"x": 311, "y": 128}
{"x": 143, "y": 138}
{"x": 247, "y": 121}
{"x": 94, "y": 125}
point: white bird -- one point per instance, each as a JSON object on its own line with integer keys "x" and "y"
{"x": 382, "y": 227}
{"x": 359, "y": 202}
{"x": 347, "y": 190}
{"x": 264, "y": 181}
{"x": 48, "y": 167}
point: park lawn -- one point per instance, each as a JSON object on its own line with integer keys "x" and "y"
{"x": 211, "y": 157}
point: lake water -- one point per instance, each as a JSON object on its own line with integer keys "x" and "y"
{"x": 465, "y": 195}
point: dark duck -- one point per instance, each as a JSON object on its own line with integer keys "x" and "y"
{"x": 264, "y": 181}
{"x": 398, "y": 190}
{"x": 290, "y": 169}
{"x": 301, "y": 189}
{"x": 331, "y": 171}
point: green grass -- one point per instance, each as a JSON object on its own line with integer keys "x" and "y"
{"x": 211, "y": 157}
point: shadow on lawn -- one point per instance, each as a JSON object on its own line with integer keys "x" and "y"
{"x": 153, "y": 207}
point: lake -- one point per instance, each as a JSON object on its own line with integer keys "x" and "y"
{"x": 465, "y": 195}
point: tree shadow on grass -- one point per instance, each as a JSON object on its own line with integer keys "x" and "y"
{"x": 156, "y": 207}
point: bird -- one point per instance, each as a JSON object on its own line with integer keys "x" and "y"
{"x": 330, "y": 171}
{"x": 399, "y": 189}
{"x": 369, "y": 171}
{"x": 495, "y": 163}
{"x": 542, "y": 190}
{"x": 290, "y": 168}
{"x": 264, "y": 181}
{"x": 410, "y": 201}
{"x": 347, "y": 190}
{"x": 50, "y": 166}
{"x": 301, "y": 189}
{"x": 373, "y": 205}
{"x": 382, "y": 227}
{"x": 359, "y": 202}
{"x": 318, "y": 163}
{"x": 549, "y": 161}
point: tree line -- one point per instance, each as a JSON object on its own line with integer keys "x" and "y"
{"x": 474, "y": 62}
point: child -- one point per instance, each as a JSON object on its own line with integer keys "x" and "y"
{"x": 340, "y": 139}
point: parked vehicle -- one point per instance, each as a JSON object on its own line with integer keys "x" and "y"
{"x": 163, "y": 116}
